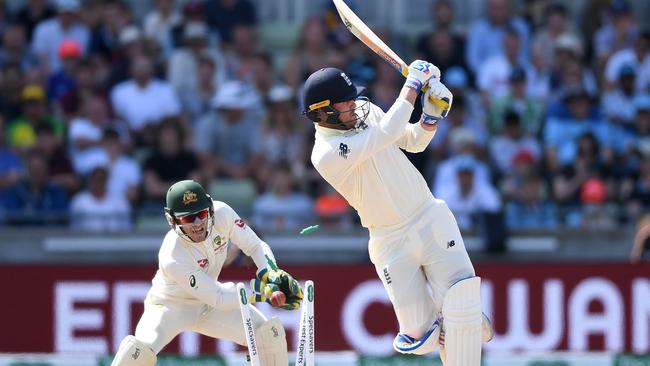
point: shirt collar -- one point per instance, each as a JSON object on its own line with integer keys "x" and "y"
{"x": 324, "y": 131}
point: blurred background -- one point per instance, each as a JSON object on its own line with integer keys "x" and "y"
{"x": 544, "y": 160}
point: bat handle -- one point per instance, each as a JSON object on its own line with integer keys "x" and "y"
{"x": 438, "y": 102}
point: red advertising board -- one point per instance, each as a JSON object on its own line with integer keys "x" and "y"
{"x": 596, "y": 307}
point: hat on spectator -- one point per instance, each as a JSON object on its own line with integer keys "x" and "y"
{"x": 460, "y": 137}
{"x": 195, "y": 30}
{"x": 642, "y": 102}
{"x": 593, "y": 191}
{"x": 70, "y": 6}
{"x": 517, "y": 74}
{"x": 626, "y": 70}
{"x": 235, "y": 95}
{"x": 280, "y": 93}
{"x": 130, "y": 34}
{"x": 32, "y": 93}
{"x": 69, "y": 49}
{"x": 455, "y": 77}
{"x": 466, "y": 163}
{"x": 523, "y": 156}
{"x": 569, "y": 42}
{"x": 577, "y": 92}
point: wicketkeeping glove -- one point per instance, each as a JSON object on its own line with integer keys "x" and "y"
{"x": 268, "y": 281}
{"x": 431, "y": 113}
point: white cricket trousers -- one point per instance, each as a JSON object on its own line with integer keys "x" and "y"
{"x": 417, "y": 261}
{"x": 163, "y": 320}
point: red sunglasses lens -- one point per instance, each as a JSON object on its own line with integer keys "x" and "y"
{"x": 189, "y": 219}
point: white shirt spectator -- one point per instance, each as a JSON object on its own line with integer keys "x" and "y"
{"x": 87, "y": 159}
{"x": 49, "y": 34}
{"x": 447, "y": 173}
{"x": 486, "y": 40}
{"x": 274, "y": 212}
{"x": 618, "y": 106}
{"x": 123, "y": 174}
{"x": 141, "y": 106}
{"x": 160, "y": 29}
{"x": 627, "y": 57}
{"x": 183, "y": 65}
{"x": 494, "y": 74}
{"x": 109, "y": 213}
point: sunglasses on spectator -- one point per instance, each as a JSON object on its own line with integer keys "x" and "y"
{"x": 190, "y": 218}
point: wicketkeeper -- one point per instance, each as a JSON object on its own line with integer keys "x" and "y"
{"x": 185, "y": 294}
{"x": 415, "y": 243}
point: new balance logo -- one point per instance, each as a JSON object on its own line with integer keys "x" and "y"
{"x": 343, "y": 150}
{"x": 450, "y": 244}
{"x": 387, "y": 276}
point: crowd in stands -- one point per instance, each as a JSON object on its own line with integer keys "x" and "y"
{"x": 101, "y": 111}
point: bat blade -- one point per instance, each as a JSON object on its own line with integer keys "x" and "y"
{"x": 360, "y": 30}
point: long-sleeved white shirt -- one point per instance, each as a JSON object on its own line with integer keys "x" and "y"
{"x": 367, "y": 167}
{"x": 188, "y": 271}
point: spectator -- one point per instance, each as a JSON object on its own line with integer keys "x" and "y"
{"x": 457, "y": 80}
{"x": 528, "y": 200}
{"x": 504, "y": 147}
{"x": 35, "y": 199}
{"x": 131, "y": 45}
{"x": 312, "y": 52}
{"x": 637, "y": 58}
{"x": 11, "y": 85}
{"x": 442, "y": 46}
{"x": 21, "y": 132}
{"x": 595, "y": 213}
{"x": 224, "y": 15}
{"x": 228, "y": 139}
{"x": 105, "y": 37}
{"x": 15, "y": 49}
{"x": 94, "y": 209}
{"x": 264, "y": 73}
{"x": 556, "y": 25}
{"x": 160, "y": 21}
{"x": 641, "y": 246}
{"x": 196, "y": 100}
{"x": 88, "y": 83}
{"x": 124, "y": 173}
{"x": 568, "y": 71}
{"x": 50, "y": 33}
{"x": 239, "y": 57}
{"x": 183, "y": 69}
{"x": 617, "y": 33}
{"x": 487, "y": 35}
{"x": 85, "y": 135}
{"x": 333, "y": 211}
{"x": 143, "y": 100}
{"x": 282, "y": 207}
{"x": 383, "y": 89}
{"x": 494, "y": 72}
{"x": 11, "y": 165}
{"x": 170, "y": 162}
{"x": 32, "y": 13}
{"x": 61, "y": 171}
{"x": 469, "y": 198}
{"x": 281, "y": 136}
{"x": 61, "y": 82}
{"x": 561, "y": 134}
{"x": 459, "y": 119}
{"x": 517, "y": 99}
{"x": 618, "y": 104}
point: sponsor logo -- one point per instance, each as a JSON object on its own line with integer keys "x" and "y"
{"x": 251, "y": 336}
{"x": 387, "y": 276}
{"x": 136, "y": 354}
{"x": 192, "y": 281}
{"x": 310, "y": 293}
{"x": 275, "y": 332}
{"x": 450, "y": 244}
{"x": 240, "y": 223}
{"x": 242, "y": 297}
{"x": 202, "y": 262}
{"x": 310, "y": 327}
{"x": 346, "y": 78}
{"x": 343, "y": 150}
{"x": 189, "y": 197}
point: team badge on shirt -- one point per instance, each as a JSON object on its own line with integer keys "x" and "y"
{"x": 189, "y": 197}
{"x": 344, "y": 150}
{"x": 218, "y": 245}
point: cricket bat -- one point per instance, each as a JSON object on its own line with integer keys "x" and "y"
{"x": 370, "y": 39}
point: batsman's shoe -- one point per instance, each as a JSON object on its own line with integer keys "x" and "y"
{"x": 427, "y": 343}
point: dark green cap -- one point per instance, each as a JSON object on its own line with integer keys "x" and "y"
{"x": 187, "y": 196}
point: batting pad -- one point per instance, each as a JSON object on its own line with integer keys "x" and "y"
{"x": 272, "y": 343}
{"x": 461, "y": 310}
{"x": 132, "y": 352}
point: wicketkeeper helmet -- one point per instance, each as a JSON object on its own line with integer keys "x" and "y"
{"x": 185, "y": 198}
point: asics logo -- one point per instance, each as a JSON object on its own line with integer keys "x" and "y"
{"x": 424, "y": 67}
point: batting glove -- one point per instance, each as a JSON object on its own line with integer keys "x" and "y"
{"x": 268, "y": 281}
{"x": 419, "y": 73}
{"x": 431, "y": 113}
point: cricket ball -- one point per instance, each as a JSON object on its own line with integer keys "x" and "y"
{"x": 278, "y": 298}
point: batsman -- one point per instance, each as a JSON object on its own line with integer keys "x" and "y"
{"x": 415, "y": 244}
{"x": 186, "y": 295}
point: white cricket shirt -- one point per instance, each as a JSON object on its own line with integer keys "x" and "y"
{"x": 368, "y": 169}
{"x": 188, "y": 271}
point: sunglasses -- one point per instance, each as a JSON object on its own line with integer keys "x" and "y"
{"x": 190, "y": 218}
